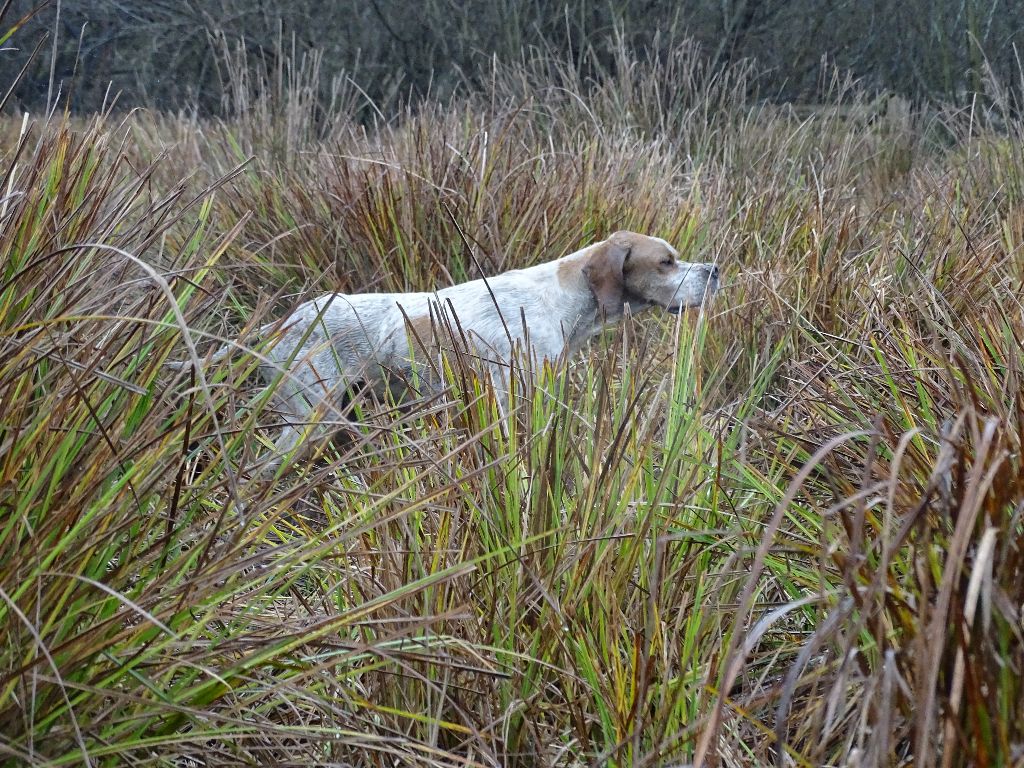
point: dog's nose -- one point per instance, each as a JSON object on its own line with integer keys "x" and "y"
{"x": 712, "y": 271}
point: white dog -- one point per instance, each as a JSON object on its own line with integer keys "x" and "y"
{"x": 335, "y": 344}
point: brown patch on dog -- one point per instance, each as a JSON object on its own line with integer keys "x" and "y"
{"x": 567, "y": 272}
{"x": 604, "y": 271}
{"x": 645, "y": 252}
{"x": 421, "y": 335}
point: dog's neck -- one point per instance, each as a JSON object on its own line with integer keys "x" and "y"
{"x": 581, "y": 318}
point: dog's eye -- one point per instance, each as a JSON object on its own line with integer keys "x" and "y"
{"x": 668, "y": 262}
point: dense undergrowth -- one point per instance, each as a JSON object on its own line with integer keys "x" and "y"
{"x": 784, "y": 530}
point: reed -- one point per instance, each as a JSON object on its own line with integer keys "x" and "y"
{"x": 786, "y": 529}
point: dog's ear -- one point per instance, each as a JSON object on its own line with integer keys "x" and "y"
{"x": 603, "y": 271}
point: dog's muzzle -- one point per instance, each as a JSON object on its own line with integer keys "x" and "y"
{"x": 710, "y": 285}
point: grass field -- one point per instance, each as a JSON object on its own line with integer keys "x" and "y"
{"x": 785, "y": 530}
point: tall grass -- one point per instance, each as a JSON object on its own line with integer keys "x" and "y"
{"x": 785, "y": 529}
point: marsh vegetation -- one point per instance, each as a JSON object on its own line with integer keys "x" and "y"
{"x": 786, "y": 529}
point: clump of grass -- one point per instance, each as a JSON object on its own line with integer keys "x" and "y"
{"x": 784, "y": 530}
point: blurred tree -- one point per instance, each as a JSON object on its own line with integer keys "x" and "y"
{"x": 165, "y": 53}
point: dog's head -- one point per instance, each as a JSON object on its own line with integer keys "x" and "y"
{"x": 642, "y": 271}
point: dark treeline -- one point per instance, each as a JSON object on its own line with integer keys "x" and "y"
{"x": 170, "y": 53}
